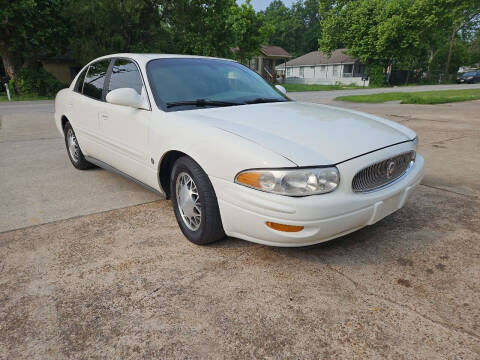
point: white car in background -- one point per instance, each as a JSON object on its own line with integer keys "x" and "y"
{"x": 235, "y": 155}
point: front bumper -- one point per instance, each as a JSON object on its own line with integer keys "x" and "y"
{"x": 245, "y": 211}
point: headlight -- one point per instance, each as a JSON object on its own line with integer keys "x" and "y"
{"x": 291, "y": 182}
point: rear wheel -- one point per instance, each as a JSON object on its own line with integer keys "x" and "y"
{"x": 73, "y": 149}
{"x": 195, "y": 203}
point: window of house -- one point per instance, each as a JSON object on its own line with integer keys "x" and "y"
{"x": 301, "y": 72}
{"x": 125, "y": 74}
{"x": 289, "y": 71}
{"x": 348, "y": 69}
{"x": 95, "y": 79}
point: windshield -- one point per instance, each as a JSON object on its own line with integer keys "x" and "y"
{"x": 189, "y": 83}
{"x": 470, "y": 73}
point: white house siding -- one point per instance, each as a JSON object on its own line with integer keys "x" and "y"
{"x": 328, "y": 74}
{"x": 309, "y": 71}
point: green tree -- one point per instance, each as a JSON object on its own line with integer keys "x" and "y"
{"x": 201, "y": 27}
{"x": 100, "y": 27}
{"x": 312, "y": 14}
{"x": 459, "y": 55}
{"x": 296, "y": 29}
{"x": 28, "y": 29}
{"x": 283, "y": 26}
{"x": 463, "y": 15}
{"x": 248, "y": 29}
{"x": 377, "y": 31}
{"x": 474, "y": 49}
{"x": 386, "y": 32}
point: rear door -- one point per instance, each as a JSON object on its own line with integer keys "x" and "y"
{"x": 124, "y": 128}
{"x": 88, "y": 105}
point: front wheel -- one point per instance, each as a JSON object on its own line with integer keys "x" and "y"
{"x": 195, "y": 203}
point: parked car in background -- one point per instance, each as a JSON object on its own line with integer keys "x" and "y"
{"x": 235, "y": 155}
{"x": 469, "y": 77}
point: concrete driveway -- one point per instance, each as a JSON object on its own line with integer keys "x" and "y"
{"x": 112, "y": 279}
{"x": 38, "y": 182}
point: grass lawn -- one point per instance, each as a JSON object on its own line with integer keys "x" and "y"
{"x": 25, "y": 98}
{"x": 421, "y": 97}
{"x": 317, "y": 87}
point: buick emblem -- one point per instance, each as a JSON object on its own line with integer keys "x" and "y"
{"x": 390, "y": 168}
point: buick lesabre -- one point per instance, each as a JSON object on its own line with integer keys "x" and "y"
{"x": 234, "y": 154}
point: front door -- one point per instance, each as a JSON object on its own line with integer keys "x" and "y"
{"x": 124, "y": 128}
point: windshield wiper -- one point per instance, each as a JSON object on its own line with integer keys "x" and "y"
{"x": 261, "y": 100}
{"x": 201, "y": 102}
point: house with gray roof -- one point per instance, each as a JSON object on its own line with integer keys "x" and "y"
{"x": 317, "y": 67}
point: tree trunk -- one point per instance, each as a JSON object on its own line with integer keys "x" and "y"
{"x": 450, "y": 50}
{"x": 9, "y": 62}
{"x": 432, "y": 54}
{"x": 388, "y": 72}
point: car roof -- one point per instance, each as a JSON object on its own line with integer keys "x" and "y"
{"x": 144, "y": 58}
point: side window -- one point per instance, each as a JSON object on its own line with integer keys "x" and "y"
{"x": 95, "y": 78}
{"x": 125, "y": 74}
{"x": 79, "y": 83}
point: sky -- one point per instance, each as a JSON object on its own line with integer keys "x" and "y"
{"x": 262, "y": 4}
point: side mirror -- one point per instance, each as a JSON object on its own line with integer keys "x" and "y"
{"x": 125, "y": 97}
{"x": 282, "y": 89}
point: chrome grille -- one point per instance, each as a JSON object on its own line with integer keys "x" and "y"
{"x": 382, "y": 173}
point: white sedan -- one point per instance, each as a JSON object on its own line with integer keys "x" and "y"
{"x": 235, "y": 155}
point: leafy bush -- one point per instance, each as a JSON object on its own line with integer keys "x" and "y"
{"x": 36, "y": 81}
{"x": 377, "y": 76}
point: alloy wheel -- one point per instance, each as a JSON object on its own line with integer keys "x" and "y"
{"x": 73, "y": 147}
{"x": 188, "y": 201}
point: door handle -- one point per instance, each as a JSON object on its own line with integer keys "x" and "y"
{"x": 103, "y": 116}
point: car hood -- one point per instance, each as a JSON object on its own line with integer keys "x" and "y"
{"x": 306, "y": 134}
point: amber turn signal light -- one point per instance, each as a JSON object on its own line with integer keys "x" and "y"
{"x": 251, "y": 179}
{"x": 283, "y": 227}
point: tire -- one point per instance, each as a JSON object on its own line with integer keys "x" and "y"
{"x": 73, "y": 149}
{"x": 199, "y": 216}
